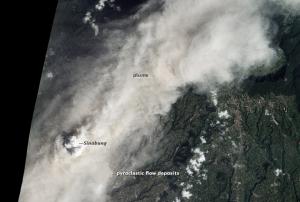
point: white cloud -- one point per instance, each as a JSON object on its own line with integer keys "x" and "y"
{"x": 100, "y": 5}
{"x": 95, "y": 28}
{"x": 88, "y": 19}
{"x": 177, "y": 199}
{"x": 49, "y": 75}
{"x": 223, "y": 114}
{"x": 195, "y": 162}
{"x": 214, "y": 97}
{"x": 203, "y": 140}
{"x": 186, "y": 194}
{"x": 277, "y": 172}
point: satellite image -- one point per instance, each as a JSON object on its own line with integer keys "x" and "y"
{"x": 168, "y": 101}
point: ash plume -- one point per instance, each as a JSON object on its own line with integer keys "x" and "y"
{"x": 201, "y": 42}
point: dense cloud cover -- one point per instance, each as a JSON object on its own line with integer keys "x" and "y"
{"x": 200, "y": 42}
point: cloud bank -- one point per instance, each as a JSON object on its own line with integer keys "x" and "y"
{"x": 205, "y": 43}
